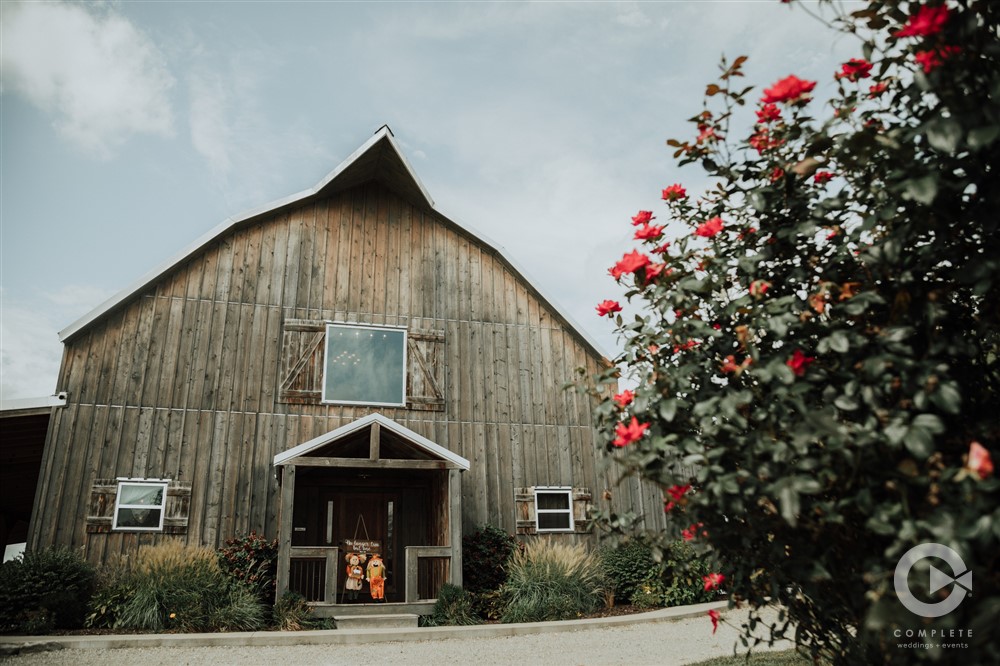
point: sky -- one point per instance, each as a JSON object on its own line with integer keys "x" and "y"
{"x": 129, "y": 129}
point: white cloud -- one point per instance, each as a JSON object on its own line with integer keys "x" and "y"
{"x": 30, "y": 352}
{"x": 210, "y": 132}
{"x": 101, "y": 78}
{"x": 630, "y": 16}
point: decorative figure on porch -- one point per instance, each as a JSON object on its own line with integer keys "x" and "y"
{"x": 355, "y": 573}
{"x": 376, "y": 577}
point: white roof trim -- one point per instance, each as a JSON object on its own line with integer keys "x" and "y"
{"x": 383, "y": 133}
{"x": 45, "y": 402}
{"x": 387, "y": 423}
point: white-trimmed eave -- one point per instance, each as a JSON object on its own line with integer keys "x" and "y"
{"x": 32, "y": 405}
{"x": 229, "y": 223}
{"x": 419, "y": 440}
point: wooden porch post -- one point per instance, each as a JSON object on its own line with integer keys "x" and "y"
{"x": 455, "y": 524}
{"x": 285, "y": 529}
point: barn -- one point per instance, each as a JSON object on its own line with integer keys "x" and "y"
{"x": 345, "y": 369}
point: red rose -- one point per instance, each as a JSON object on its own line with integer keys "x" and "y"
{"x": 648, "y": 232}
{"x": 768, "y": 113}
{"x": 799, "y": 362}
{"x": 714, "y": 615}
{"x": 632, "y": 432}
{"x": 822, "y": 177}
{"x": 930, "y": 60}
{"x": 713, "y": 580}
{"x": 877, "y": 89}
{"x": 653, "y": 271}
{"x": 642, "y": 217}
{"x": 927, "y": 21}
{"x": 789, "y": 89}
{"x": 624, "y": 398}
{"x": 854, "y": 69}
{"x": 709, "y": 228}
{"x": 661, "y": 248}
{"x": 979, "y": 462}
{"x": 629, "y": 263}
{"x": 674, "y": 192}
{"x": 608, "y": 308}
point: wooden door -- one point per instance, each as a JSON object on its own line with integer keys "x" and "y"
{"x": 367, "y": 514}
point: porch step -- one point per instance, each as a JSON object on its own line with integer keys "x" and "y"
{"x": 395, "y": 621}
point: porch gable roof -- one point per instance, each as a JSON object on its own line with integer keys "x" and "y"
{"x": 435, "y": 450}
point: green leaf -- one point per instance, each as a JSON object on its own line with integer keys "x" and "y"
{"x": 947, "y": 398}
{"x": 845, "y": 403}
{"x": 929, "y": 422}
{"x": 983, "y": 136}
{"x": 919, "y": 442}
{"x": 922, "y": 190}
{"x": 839, "y": 342}
{"x": 944, "y": 134}
{"x": 668, "y": 409}
{"x": 788, "y": 501}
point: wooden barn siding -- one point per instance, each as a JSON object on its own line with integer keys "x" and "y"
{"x": 182, "y": 381}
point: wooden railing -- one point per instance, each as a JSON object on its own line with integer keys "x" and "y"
{"x": 413, "y": 556}
{"x": 314, "y": 572}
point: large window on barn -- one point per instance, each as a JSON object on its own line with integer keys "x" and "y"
{"x": 365, "y": 365}
{"x": 140, "y": 505}
{"x": 554, "y": 509}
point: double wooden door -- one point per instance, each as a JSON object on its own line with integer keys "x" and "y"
{"x": 369, "y": 515}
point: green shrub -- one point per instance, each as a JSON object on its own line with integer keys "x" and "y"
{"x": 46, "y": 589}
{"x": 253, "y": 561}
{"x": 627, "y": 566}
{"x": 453, "y": 607}
{"x": 651, "y": 576}
{"x": 173, "y": 586}
{"x": 548, "y": 581}
{"x": 485, "y": 554}
{"x": 292, "y": 613}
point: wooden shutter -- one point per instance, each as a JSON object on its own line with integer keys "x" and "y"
{"x": 524, "y": 501}
{"x": 100, "y": 516}
{"x": 425, "y": 378}
{"x": 300, "y": 375}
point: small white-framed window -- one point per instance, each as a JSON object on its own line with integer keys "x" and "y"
{"x": 140, "y": 505}
{"x": 365, "y": 365}
{"x": 554, "y": 508}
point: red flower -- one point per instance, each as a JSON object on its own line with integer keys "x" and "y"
{"x": 799, "y": 362}
{"x": 624, "y": 398}
{"x": 854, "y": 69}
{"x": 690, "y": 344}
{"x": 706, "y": 133}
{"x": 979, "y": 462}
{"x": 678, "y": 492}
{"x": 648, "y": 232}
{"x": 632, "y": 432}
{"x": 653, "y": 271}
{"x": 608, "y": 308}
{"x": 674, "y": 192}
{"x": 930, "y": 60}
{"x": 729, "y": 365}
{"x": 759, "y": 287}
{"x": 661, "y": 248}
{"x": 762, "y": 140}
{"x": 642, "y": 217}
{"x": 714, "y": 615}
{"x": 877, "y": 89}
{"x": 789, "y": 89}
{"x": 709, "y": 228}
{"x": 768, "y": 113}
{"x": 691, "y": 532}
{"x": 629, "y": 263}
{"x": 713, "y": 580}
{"x": 926, "y": 22}
{"x": 822, "y": 177}
{"x": 777, "y": 174}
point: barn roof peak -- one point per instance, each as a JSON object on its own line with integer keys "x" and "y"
{"x": 377, "y": 159}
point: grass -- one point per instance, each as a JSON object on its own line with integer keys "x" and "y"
{"x": 780, "y": 658}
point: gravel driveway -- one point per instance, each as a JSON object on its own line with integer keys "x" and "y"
{"x": 657, "y": 643}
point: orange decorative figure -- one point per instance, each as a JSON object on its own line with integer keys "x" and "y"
{"x": 376, "y": 577}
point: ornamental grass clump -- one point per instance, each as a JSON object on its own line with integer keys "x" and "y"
{"x": 549, "y": 581}
{"x": 173, "y": 586}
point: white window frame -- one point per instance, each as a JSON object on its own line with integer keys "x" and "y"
{"x": 364, "y": 327}
{"x": 554, "y": 490}
{"x": 162, "y": 508}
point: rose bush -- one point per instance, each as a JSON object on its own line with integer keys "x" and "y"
{"x": 822, "y": 347}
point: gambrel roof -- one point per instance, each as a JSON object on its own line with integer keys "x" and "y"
{"x": 378, "y": 159}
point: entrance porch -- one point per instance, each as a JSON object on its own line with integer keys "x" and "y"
{"x": 373, "y": 488}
